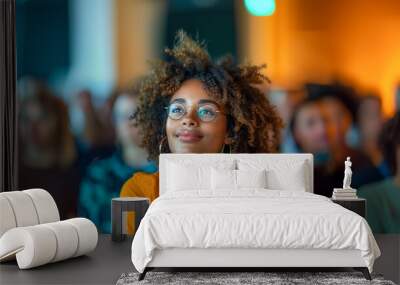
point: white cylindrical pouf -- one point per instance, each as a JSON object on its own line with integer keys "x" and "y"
{"x": 7, "y": 218}
{"x": 34, "y": 245}
{"x": 45, "y": 205}
{"x": 23, "y": 207}
{"x": 67, "y": 239}
{"x": 87, "y": 234}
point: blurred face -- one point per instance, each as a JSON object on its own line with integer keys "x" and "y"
{"x": 127, "y": 134}
{"x": 37, "y": 125}
{"x": 370, "y": 118}
{"x": 310, "y": 129}
{"x": 197, "y": 124}
{"x": 338, "y": 120}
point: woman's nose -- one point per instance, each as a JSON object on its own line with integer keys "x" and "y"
{"x": 190, "y": 119}
{"x": 189, "y": 122}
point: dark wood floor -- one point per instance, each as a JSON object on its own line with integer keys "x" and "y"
{"x": 106, "y": 264}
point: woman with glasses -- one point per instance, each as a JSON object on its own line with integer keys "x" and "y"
{"x": 191, "y": 104}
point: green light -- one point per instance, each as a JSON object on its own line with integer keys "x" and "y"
{"x": 260, "y": 7}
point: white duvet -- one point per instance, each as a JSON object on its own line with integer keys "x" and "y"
{"x": 254, "y": 218}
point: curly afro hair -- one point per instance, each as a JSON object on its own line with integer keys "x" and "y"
{"x": 253, "y": 122}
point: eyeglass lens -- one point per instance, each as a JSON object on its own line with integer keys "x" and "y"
{"x": 206, "y": 112}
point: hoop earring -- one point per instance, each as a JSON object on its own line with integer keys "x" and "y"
{"x": 161, "y": 144}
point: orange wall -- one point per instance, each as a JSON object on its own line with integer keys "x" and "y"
{"x": 138, "y": 36}
{"x": 353, "y": 40}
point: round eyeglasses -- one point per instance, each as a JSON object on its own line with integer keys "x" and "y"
{"x": 205, "y": 112}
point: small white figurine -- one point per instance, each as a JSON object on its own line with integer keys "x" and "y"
{"x": 347, "y": 174}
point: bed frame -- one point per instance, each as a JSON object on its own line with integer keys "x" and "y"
{"x": 249, "y": 259}
{"x": 245, "y": 259}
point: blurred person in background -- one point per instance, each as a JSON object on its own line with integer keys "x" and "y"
{"x": 47, "y": 151}
{"x": 383, "y": 198}
{"x": 98, "y": 128}
{"x": 285, "y": 102}
{"x": 339, "y": 122}
{"x": 97, "y": 138}
{"x": 105, "y": 177}
{"x": 369, "y": 122}
{"x": 92, "y": 126}
{"x": 308, "y": 126}
{"x": 309, "y": 130}
{"x": 338, "y": 105}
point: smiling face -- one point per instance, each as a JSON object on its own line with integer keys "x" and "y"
{"x": 189, "y": 134}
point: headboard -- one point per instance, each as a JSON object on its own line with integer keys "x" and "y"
{"x": 210, "y": 158}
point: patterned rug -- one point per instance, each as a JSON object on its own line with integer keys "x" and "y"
{"x": 230, "y": 278}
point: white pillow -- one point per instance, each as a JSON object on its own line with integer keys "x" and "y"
{"x": 236, "y": 179}
{"x": 281, "y": 174}
{"x": 294, "y": 181}
{"x": 223, "y": 179}
{"x": 185, "y": 175}
{"x": 251, "y": 178}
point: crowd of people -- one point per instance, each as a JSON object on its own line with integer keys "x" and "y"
{"x": 83, "y": 172}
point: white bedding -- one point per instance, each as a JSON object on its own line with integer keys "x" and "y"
{"x": 252, "y": 218}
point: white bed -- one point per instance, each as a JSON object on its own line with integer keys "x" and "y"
{"x": 198, "y": 223}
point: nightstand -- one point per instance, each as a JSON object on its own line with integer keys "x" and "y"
{"x": 358, "y": 205}
{"x": 120, "y": 207}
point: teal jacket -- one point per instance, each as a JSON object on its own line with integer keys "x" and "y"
{"x": 383, "y": 206}
{"x": 102, "y": 182}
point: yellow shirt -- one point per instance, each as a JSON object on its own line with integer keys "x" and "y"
{"x": 141, "y": 184}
